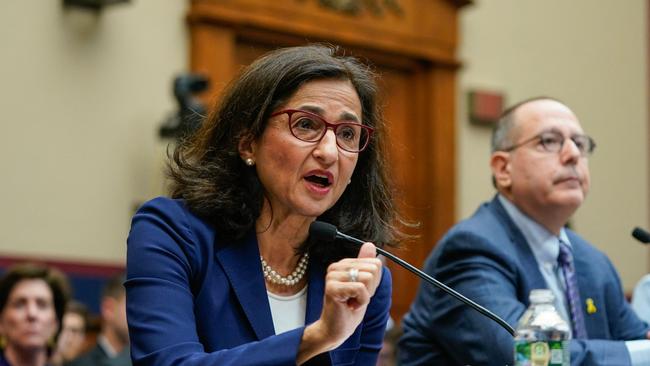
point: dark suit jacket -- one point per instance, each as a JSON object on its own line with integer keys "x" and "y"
{"x": 3, "y": 360}
{"x": 487, "y": 259}
{"x": 195, "y": 299}
{"x": 98, "y": 357}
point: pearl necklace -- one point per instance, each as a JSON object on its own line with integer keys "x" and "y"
{"x": 274, "y": 277}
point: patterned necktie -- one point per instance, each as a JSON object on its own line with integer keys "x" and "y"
{"x": 565, "y": 260}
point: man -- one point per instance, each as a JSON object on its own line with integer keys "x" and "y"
{"x": 113, "y": 339}
{"x": 72, "y": 338}
{"x": 518, "y": 242}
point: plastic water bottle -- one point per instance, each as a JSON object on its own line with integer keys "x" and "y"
{"x": 542, "y": 337}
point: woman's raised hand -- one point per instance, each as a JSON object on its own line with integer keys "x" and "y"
{"x": 349, "y": 285}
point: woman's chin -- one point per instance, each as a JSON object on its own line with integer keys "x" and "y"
{"x": 30, "y": 346}
{"x": 313, "y": 209}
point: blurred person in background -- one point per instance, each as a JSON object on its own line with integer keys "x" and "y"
{"x": 72, "y": 338}
{"x": 32, "y": 302}
{"x": 113, "y": 339}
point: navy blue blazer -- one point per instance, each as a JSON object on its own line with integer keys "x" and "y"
{"x": 487, "y": 259}
{"x": 195, "y": 299}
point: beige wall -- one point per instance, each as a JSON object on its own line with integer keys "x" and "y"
{"x": 592, "y": 55}
{"x": 81, "y": 97}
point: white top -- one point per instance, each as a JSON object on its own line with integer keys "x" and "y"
{"x": 288, "y": 312}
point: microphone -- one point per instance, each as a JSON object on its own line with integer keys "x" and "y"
{"x": 641, "y": 235}
{"x": 328, "y": 233}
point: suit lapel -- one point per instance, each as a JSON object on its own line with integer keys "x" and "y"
{"x": 315, "y": 293}
{"x": 241, "y": 264}
{"x": 521, "y": 247}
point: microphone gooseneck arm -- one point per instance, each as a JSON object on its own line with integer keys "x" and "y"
{"x": 435, "y": 282}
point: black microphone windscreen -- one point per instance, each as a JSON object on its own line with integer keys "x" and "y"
{"x": 322, "y": 231}
{"x": 641, "y": 235}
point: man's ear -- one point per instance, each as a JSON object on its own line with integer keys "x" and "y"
{"x": 500, "y": 165}
{"x": 247, "y": 147}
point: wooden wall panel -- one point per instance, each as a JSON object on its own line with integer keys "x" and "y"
{"x": 409, "y": 165}
{"x": 423, "y": 28}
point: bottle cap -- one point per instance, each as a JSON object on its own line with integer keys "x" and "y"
{"x": 541, "y": 295}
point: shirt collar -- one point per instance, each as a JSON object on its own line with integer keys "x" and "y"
{"x": 543, "y": 243}
{"x": 106, "y": 346}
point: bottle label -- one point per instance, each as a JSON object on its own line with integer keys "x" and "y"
{"x": 543, "y": 353}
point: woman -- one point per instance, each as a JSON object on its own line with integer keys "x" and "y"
{"x": 32, "y": 302}
{"x": 226, "y": 273}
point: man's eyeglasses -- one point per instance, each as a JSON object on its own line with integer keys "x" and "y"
{"x": 553, "y": 141}
{"x": 310, "y": 127}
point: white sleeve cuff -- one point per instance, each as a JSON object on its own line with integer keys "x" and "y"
{"x": 639, "y": 351}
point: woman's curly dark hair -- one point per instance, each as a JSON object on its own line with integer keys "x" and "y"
{"x": 209, "y": 174}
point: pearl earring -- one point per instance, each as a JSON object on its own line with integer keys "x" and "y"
{"x": 249, "y": 162}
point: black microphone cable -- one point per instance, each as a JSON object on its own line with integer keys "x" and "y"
{"x": 328, "y": 232}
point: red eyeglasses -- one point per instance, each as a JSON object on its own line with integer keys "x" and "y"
{"x": 310, "y": 127}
